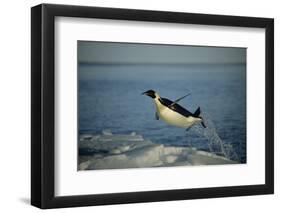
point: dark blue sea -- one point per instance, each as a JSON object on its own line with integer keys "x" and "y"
{"x": 110, "y": 98}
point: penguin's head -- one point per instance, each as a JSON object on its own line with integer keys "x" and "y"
{"x": 150, "y": 93}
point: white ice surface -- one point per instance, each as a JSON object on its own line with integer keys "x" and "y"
{"x": 108, "y": 151}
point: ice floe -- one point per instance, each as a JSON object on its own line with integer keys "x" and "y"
{"x": 112, "y": 151}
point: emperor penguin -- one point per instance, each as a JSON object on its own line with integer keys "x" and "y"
{"x": 174, "y": 114}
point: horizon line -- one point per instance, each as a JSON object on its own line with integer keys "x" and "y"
{"x": 156, "y": 63}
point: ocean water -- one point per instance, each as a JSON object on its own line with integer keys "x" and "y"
{"x": 110, "y": 98}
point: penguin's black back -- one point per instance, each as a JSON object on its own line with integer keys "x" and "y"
{"x": 175, "y": 107}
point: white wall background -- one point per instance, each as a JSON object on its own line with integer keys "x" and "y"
{"x": 15, "y": 105}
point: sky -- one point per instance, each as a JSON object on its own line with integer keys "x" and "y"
{"x": 132, "y": 53}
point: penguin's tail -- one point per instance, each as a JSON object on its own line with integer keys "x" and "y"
{"x": 197, "y": 115}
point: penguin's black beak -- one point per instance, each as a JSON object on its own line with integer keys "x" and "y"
{"x": 144, "y": 93}
{"x": 149, "y": 93}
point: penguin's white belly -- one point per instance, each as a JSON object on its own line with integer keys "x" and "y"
{"x": 173, "y": 118}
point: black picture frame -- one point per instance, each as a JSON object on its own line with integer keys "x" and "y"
{"x": 43, "y": 102}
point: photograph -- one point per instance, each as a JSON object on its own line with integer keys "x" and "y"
{"x": 160, "y": 105}
{"x": 149, "y": 105}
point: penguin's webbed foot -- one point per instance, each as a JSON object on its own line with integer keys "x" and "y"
{"x": 203, "y": 124}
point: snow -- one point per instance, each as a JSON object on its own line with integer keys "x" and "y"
{"x": 109, "y": 151}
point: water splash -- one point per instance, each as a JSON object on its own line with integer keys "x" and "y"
{"x": 215, "y": 143}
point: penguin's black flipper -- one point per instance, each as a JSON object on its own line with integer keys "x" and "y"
{"x": 156, "y": 116}
{"x": 176, "y": 101}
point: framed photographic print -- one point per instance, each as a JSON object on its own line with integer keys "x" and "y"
{"x": 139, "y": 106}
